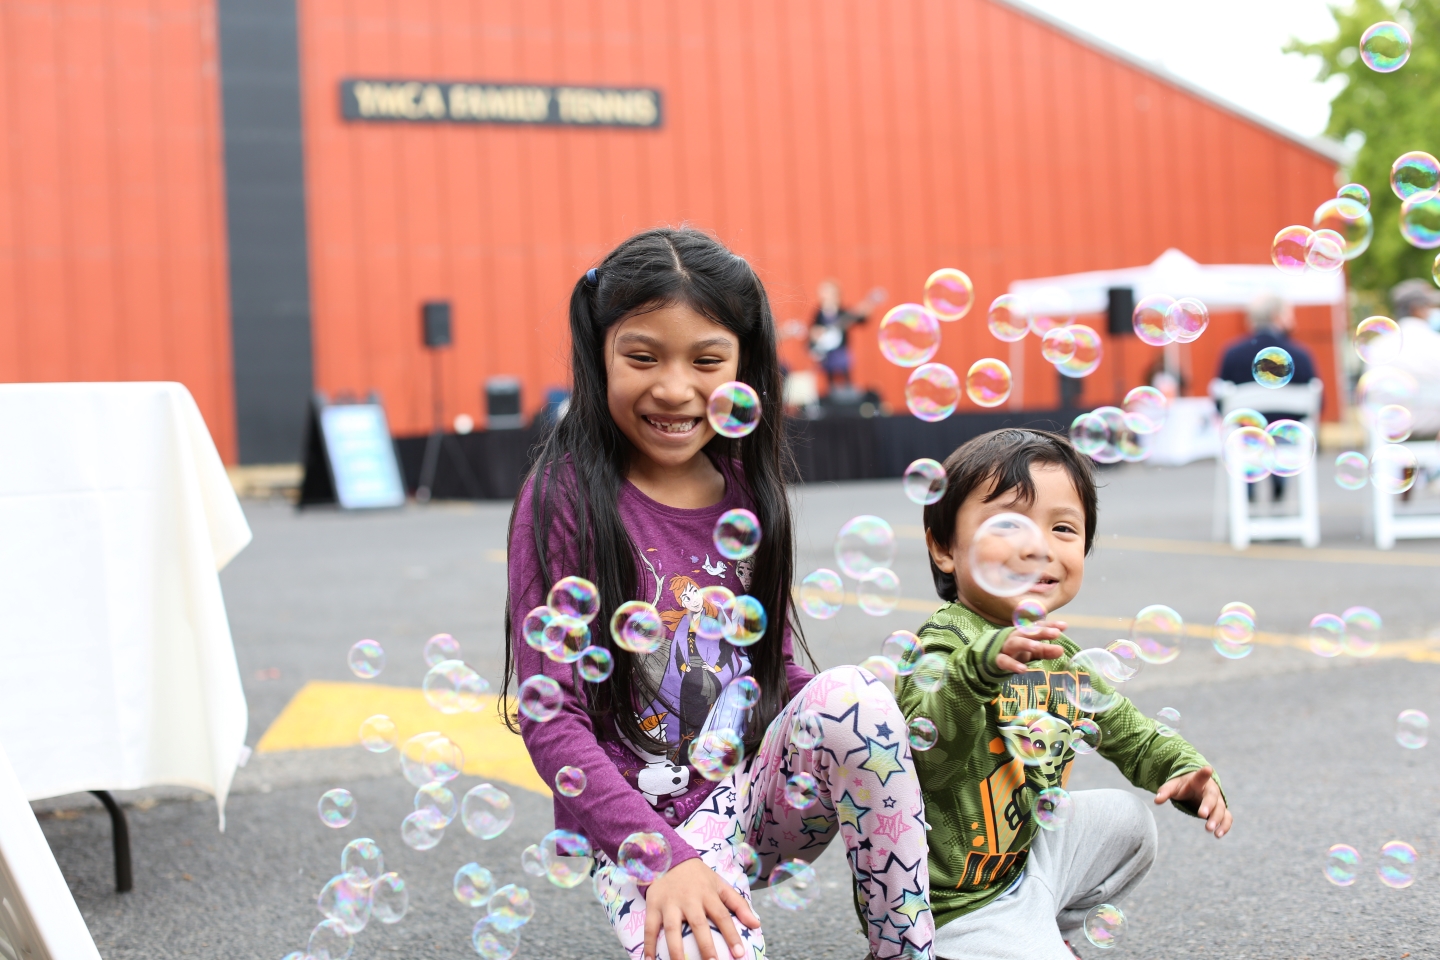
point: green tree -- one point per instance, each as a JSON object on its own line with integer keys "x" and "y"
{"x": 1395, "y": 113}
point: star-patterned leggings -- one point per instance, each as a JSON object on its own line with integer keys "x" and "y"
{"x": 866, "y": 788}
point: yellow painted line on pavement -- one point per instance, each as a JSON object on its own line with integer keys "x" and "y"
{"x": 325, "y": 714}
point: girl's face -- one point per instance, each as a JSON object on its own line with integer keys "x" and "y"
{"x": 662, "y": 366}
{"x": 690, "y": 599}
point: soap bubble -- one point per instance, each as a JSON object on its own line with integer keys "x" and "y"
{"x": 1186, "y": 319}
{"x": 909, "y": 335}
{"x": 1089, "y": 433}
{"x": 345, "y": 902}
{"x": 879, "y": 592}
{"x": 1148, "y": 320}
{"x": 1007, "y": 320}
{"x": 1292, "y": 447}
{"x": 442, "y": 760}
{"x": 337, "y": 808}
{"x": 1088, "y": 350}
{"x": 595, "y": 664}
{"x": 864, "y": 544}
{"x": 949, "y": 293}
{"x": 925, "y": 481}
{"x": 1394, "y": 422}
{"x": 567, "y": 858}
{"x": 1348, "y": 220}
{"x": 1058, "y": 345}
{"x": 922, "y": 734}
{"x": 452, "y": 687}
{"x": 1273, "y": 367}
{"x": 1167, "y": 721}
{"x": 493, "y": 942}
{"x": 1342, "y": 864}
{"x": 486, "y": 811}
{"x": 437, "y": 798}
{"x": 881, "y": 668}
{"x": 988, "y": 383}
{"x": 1094, "y": 670}
{"x": 422, "y": 830}
{"x": 1242, "y": 417}
{"x": 636, "y": 627}
{"x": 1362, "y": 631}
{"x": 1027, "y": 614}
{"x": 1414, "y": 174}
{"x": 1393, "y": 468}
{"x": 808, "y": 731}
{"x": 412, "y": 758}
{"x": 1287, "y": 251}
{"x": 533, "y": 628}
{"x": 932, "y": 392}
{"x": 1086, "y": 736}
{"x": 1104, "y": 925}
{"x": 473, "y": 885}
{"x": 747, "y": 860}
{"x": 1128, "y": 659}
{"x": 566, "y": 637}
{"x": 1420, "y": 221}
{"x": 722, "y": 599}
{"x": 1008, "y": 555}
{"x": 716, "y": 753}
{"x": 570, "y": 781}
{"x": 367, "y": 659}
{"x": 330, "y": 941}
{"x": 362, "y": 861}
{"x": 793, "y": 884}
{"x": 1149, "y": 405}
{"x": 377, "y": 733}
{"x": 1397, "y": 865}
{"x": 748, "y": 621}
{"x": 737, "y": 534}
{"x": 1377, "y": 340}
{"x": 1249, "y": 453}
{"x": 1385, "y": 47}
{"x": 1156, "y": 631}
{"x": 540, "y": 698}
{"x": 929, "y": 672}
{"x": 389, "y": 898}
{"x": 821, "y": 593}
{"x": 644, "y": 856}
{"x": 742, "y": 693}
{"x": 1327, "y": 635}
{"x": 1053, "y": 808}
{"x": 510, "y": 907}
{"x": 1435, "y": 270}
{"x": 734, "y": 410}
{"x": 1035, "y": 736}
{"x": 1356, "y": 193}
{"x": 1326, "y": 251}
{"x": 574, "y": 597}
{"x": 441, "y": 647}
{"x": 1412, "y": 729}
{"x": 1234, "y": 634}
{"x": 800, "y": 791}
{"x": 530, "y": 861}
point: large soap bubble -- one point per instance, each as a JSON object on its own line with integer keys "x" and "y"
{"x": 1415, "y": 174}
{"x": 988, "y": 382}
{"x": 909, "y": 335}
{"x": 734, "y": 410}
{"x": 925, "y": 481}
{"x": 932, "y": 392}
{"x": 1385, "y": 46}
{"x": 864, "y": 544}
{"x": 1088, "y": 352}
{"x": 1008, "y": 555}
{"x": 737, "y": 534}
{"x": 1420, "y": 221}
{"x": 636, "y": 626}
{"x": 822, "y": 593}
{"x": 1157, "y": 630}
{"x": 1292, "y": 447}
{"x": 1349, "y": 220}
{"x": 1287, "y": 250}
{"x": 1007, "y": 320}
{"x": 1148, "y": 406}
{"x": 949, "y": 293}
{"x": 1148, "y": 320}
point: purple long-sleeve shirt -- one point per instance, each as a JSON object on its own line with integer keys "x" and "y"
{"x": 629, "y": 789}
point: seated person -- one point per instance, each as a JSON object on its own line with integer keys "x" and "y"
{"x": 1416, "y": 304}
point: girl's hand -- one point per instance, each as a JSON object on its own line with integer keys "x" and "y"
{"x": 1021, "y": 648}
{"x": 693, "y": 893}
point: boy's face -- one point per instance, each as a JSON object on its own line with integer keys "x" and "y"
{"x": 1058, "y": 513}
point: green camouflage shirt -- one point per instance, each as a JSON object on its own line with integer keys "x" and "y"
{"x": 978, "y": 797}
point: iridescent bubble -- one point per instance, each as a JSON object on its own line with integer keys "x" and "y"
{"x": 949, "y": 293}
{"x": 570, "y": 781}
{"x": 644, "y": 856}
{"x": 412, "y": 758}
{"x": 1412, "y": 729}
{"x": 574, "y": 597}
{"x": 1053, "y": 808}
{"x": 1327, "y": 635}
{"x": 366, "y": 659}
{"x": 595, "y": 664}
{"x": 567, "y": 857}
{"x": 1287, "y": 251}
{"x": 800, "y": 791}
{"x": 1420, "y": 221}
{"x": 932, "y": 392}
{"x": 452, "y": 687}
{"x": 716, "y": 753}
{"x": 493, "y": 942}
{"x": 808, "y": 731}
{"x": 1149, "y": 405}
{"x": 1104, "y": 925}
{"x": 636, "y": 627}
{"x": 377, "y": 733}
{"x": 1157, "y": 630}
{"x": 1355, "y": 193}
{"x": 486, "y": 811}
{"x": 1435, "y": 270}
{"x": 1089, "y": 433}
{"x": 1007, "y": 320}
{"x": 362, "y": 861}
{"x": 330, "y": 941}
{"x": 748, "y": 621}
{"x": 742, "y": 693}
{"x": 1362, "y": 631}
{"x": 793, "y": 884}
{"x": 1393, "y": 468}
{"x": 1058, "y": 345}
{"x": 442, "y": 760}
{"x": 734, "y": 410}
{"x": 439, "y": 799}
{"x": 1292, "y": 447}
{"x": 1128, "y": 659}
{"x": 1086, "y": 736}
{"x": 909, "y": 335}
{"x": 1187, "y": 319}
{"x": 987, "y": 384}
{"x": 747, "y": 860}
{"x": 510, "y": 907}
{"x": 1342, "y": 864}
{"x": 1248, "y": 453}
{"x": 605, "y": 883}
{"x": 1351, "y": 222}
{"x": 530, "y": 861}
{"x": 422, "y": 830}
{"x": 337, "y": 808}
{"x": 534, "y": 628}
{"x": 345, "y": 902}
{"x": 1089, "y": 686}
{"x": 473, "y": 885}
{"x": 1394, "y": 422}
{"x": 864, "y": 544}
{"x": 737, "y": 534}
{"x": 1242, "y": 417}
{"x": 389, "y": 898}
{"x": 922, "y": 734}
{"x": 1008, "y": 555}
{"x": 1415, "y": 174}
{"x": 929, "y": 672}
{"x": 1377, "y": 340}
{"x": 879, "y": 592}
{"x": 1351, "y": 470}
{"x": 1385, "y": 46}
{"x": 1167, "y": 721}
{"x": 1088, "y": 352}
{"x": 1234, "y": 634}
{"x": 1035, "y": 737}
{"x": 1397, "y": 865}
{"x": 1028, "y": 613}
{"x": 821, "y": 593}
{"x": 1273, "y": 367}
{"x": 1148, "y": 320}
{"x": 722, "y": 601}
{"x": 925, "y": 481}
{"x": 1326, "y": 251}
{"x": 540, "y": 698}
{"x": 566, "y": 637}
{"x": 881, "y": 668}
{"x": 440, "y": 648}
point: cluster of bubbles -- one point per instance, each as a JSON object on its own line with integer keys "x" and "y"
{"x": 1112, "y": 434}
{"x": 362, "y": 891}
{"x": 1340, "y": 231}
{"x": 1384, "y": 395}
{"x": 1253, "y": 448}
{"x": 1354, "y": 633}
{"x": 1159, "y": 320}
{"x": 1396, "y": 869}
{"x": 864, "y": 551}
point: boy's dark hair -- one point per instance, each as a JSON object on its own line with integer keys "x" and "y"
{"x": 1004, "y": 456}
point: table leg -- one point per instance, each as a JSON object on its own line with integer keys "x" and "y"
{"x": 124, "y": 878}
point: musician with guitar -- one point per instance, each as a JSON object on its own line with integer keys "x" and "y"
{"x": 830, "y": 330}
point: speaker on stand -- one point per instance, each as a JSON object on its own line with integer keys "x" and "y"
{"x": 435, "y": 332}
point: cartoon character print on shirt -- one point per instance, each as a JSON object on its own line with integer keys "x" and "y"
{"x": 702, "y": 661}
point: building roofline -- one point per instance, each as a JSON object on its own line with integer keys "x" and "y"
{"x": 1326, "y": 147}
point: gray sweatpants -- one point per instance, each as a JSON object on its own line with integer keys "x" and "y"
{"x": 1098, "y": 857}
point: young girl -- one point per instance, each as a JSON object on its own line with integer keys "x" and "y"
{"x": 626, "y": 492}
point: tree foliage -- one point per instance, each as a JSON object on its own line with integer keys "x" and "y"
{"x": 1395, "y": 113}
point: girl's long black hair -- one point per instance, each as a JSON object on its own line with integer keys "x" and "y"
{"x": 583, "y": 460}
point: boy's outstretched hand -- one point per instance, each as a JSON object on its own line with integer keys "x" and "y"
{"x": 1020, "y": 648}
{"x": 1199, "y": 790}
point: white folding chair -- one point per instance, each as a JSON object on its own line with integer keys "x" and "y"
{"x": 1389, "y": 527}
{"x": 38, "y": 916}
{"x": 1301, "y": 403}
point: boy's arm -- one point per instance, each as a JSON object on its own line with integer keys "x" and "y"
{"x": 1130, "y": 740}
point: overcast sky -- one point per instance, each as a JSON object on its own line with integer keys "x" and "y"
{"x": 1229, "y": 47}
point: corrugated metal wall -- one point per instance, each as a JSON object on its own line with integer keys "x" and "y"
{"x": 112, "y": 222}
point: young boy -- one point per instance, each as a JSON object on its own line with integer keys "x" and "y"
{"x": 1000, "y": 888}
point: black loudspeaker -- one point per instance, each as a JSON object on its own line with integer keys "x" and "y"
{"x": 1120, "y": 312}
{"x": 435, "y": 317}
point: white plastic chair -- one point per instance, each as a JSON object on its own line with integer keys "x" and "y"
{"x": 1301, "y": 403}
{"x": 1389, "y": 527}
